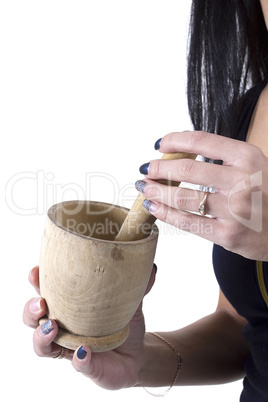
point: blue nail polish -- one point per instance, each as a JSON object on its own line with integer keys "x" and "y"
{"x": 157, "y": 144}
{"x": 144, "y": 169}
{"x": 140, "y": 186}
{"x": 47, "y": 327}
{"x": 147, "y": 204}
{"x": 81, "y": 353}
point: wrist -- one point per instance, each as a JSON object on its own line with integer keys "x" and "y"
{"x": 162, "y": 362}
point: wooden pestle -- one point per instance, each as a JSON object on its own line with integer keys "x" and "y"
{"x": 139, "y": 221}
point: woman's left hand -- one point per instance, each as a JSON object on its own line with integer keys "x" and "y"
{"x": 114, "y": 369}
{"x": 238, "y": 210}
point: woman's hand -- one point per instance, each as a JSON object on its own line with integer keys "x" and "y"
{"x": 115, "y": 369}
{"x": 239, "y": 206}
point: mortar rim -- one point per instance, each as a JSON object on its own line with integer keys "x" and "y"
{"x": 51, "y": 215}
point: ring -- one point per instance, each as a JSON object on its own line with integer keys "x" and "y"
{"x": 202, "y": 205}
{"x": 63, "y": 354}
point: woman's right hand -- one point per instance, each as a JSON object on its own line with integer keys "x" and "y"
{"x": 116, "y": 369}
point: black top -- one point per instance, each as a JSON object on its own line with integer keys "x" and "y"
{"x": 238, "y": 280}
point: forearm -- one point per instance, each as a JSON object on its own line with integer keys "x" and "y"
{"x": 212, "y": 350}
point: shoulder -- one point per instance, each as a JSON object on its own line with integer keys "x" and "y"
{"x": 258, "y": 128}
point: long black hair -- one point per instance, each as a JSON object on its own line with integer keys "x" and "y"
{"x": 228, "y": 53}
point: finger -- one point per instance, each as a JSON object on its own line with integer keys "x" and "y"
{"x": 83, "y": 362}
{"x": 34, "y": 278}
{"x": 183, "y": 198}
{"x": 219, "y": 177}
{"x": 151, "y": 280}
{"x": 210, "y": 145}
{"x": 43, "y": 339}
{"x": 34, "y": 309}
{"x": 208, "y": 228}
{"x": 107, "y": 369}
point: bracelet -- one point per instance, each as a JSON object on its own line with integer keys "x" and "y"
{"x": 179, "y": 358}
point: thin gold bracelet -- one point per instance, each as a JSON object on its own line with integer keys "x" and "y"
{"x": 178, "y": 369}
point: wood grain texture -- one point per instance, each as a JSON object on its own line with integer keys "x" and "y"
{"x": 92, "y": 285}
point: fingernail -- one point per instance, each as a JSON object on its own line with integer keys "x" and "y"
{"x": 149, "y": 205}
{"x": 81, "y": 353}
{"x": 35, "y": 304}
{"x": 140, "y": 186}
{"x": 47, "y": 327}
{"x": 144, "y": 169}
{"x": 157, "y": 144}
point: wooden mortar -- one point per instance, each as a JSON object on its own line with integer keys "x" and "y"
{"x": 92, "y": 284}
{"x": 95, "y": 264}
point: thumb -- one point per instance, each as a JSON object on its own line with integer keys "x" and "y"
{"x": 83, "y": 362}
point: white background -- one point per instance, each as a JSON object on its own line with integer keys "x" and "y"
{"x": 87, "y": 87}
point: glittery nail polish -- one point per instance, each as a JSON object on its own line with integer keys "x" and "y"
{"x": 146, "y": 204}
{"x": 140, "y": 186}
{"x": 144, "y": 169}
{"x": 157, "y": 144}
{"x": 47, "y": 327}
{"x": 81, "y": 353}
{"x": 149, "y": 205}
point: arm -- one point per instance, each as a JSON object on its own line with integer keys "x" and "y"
{"x": 212, "y": 349}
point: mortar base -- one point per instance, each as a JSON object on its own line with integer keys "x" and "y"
{"x": 96, "y": 344}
